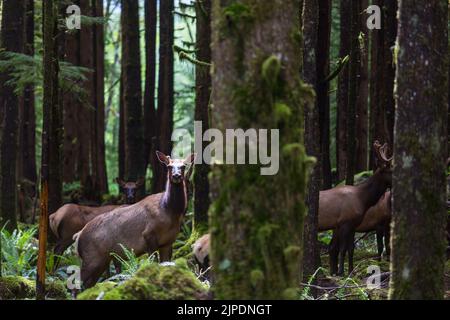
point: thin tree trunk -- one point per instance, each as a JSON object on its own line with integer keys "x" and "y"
{"x": 362, "y": 107}
{"x": 150, "y": 122}
{"x": 420, "y": 152}
{"x": 202, "y": 101}
{"x": 165, "y": 89}
{"x": 259, "y": 252}
{"x": 352, "y": 92}
{"x": 132, "y": 104}
{"x": 323, "y": 98}
{"x": 312, "y": 131}
{"x": 11, "y": 39}
{"x": 342, "y": 94}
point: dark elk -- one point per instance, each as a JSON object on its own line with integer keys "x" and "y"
{"x": 149, "y": 225}
{"x": 342, "y": 209}
{"x": 71, "y": 218}
{"x": 378, "y": 219}
{"x": 130, "y": 189}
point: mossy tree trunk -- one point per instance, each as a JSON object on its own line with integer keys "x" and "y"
{"x": 354, "y": 70}
{"x": 11, "y": 39}
{"x": 165, "y": 90}
{"x": 310, "y": 24}
{"x": 202, "y": 101}
{"x": 131, "y": 68}
{"x": 257, "y": 221}
{"x": 420, "y": 150}
{"x": 342, "y": 93}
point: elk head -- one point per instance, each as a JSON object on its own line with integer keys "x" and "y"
{"x": 382, "y": 162}
{"x": 130, "y": 189}
{"x": 175, "y": 167}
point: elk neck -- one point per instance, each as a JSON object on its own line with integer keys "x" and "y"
{"x": 372, "y": 189}
{"x": 175, "y": 197}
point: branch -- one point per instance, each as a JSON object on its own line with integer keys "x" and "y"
{"x": 341, "y": 64}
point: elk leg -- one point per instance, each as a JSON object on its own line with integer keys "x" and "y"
{"x": 387, "y": 241}
{"x": 58, "y": 251}
{"x": 165, "y": 253}
{"x": 91, "y": 272}
{"x": 351, "y": 249}
{"x": 380, "y": 231}
{"x": 343, "y": 236}
{"x": 117, "y": 266}
{"x": 334, "y": 252}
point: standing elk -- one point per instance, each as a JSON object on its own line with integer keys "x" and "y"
{"x": 342, "y": 209}
{"x": 130, "y": 189}
{"x": 378, "y": 219}
{"x": 149, "y": 225}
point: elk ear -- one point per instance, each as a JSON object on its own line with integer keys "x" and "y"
{"x": 140, "y": 182}
{"x": 190, "y": 159}
{"x": 163, "y": 158}
{"x": 120, "y": 182}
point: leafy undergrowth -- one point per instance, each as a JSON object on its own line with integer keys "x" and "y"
{"x": 152, "y": 281}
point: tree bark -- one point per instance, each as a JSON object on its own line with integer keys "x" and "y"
{"x": 131, "y": 60}
{"x": 165, "y": 90}
{"x": 353, "y": 91}
{"x": 11, "y": 39}
{"x": 323, "y": 98}
{"x": 312, "y": 130}
{"x": 362, "y": 106}
{"x": 150, "y": 82}
{"x": 256, "y": 84}
{"x": 420, "y": 151}
{"x": 342, "y": 94}
{"x": 203, "y": 94}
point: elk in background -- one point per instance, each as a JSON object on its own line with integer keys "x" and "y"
{"x": 149, "y": 225}
{"x": 342, "y": 209}
{"x": 378, "y": 219}
{"x": 129, "y": 189}
{"x": 201, "y": 249}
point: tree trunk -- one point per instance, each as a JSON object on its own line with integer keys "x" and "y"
{"x": 323, "y": 98}
{"x": 353, "y": 91}
{"x": 342, "y": 94}
{"x": 150, "y": 82}
{"x": 49, "y": 134}
{"x": 312, "y": 131}
{"x": 256, "y": 84}
{"x": 362, "y": 107}
{"x": 203, "y": 93}
{"x": 131, "y": 60}
{"x": 11, "y": 39}
{"x": 420, "y": 151}
{"x": 165, "y": 90}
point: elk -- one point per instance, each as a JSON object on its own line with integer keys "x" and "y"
{"x": 342, "y": 209}
{"x": 378, "y": 219}
{"x": 71, "y": 218}
{"x": 149, "y": 225}
{"x": 130, "y": 189}
{"x": 200, "y": 250}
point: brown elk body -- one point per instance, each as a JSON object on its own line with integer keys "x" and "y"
{"x": 378, "y": 219}
{"x": 149, "y": 225}
{"x": 342, "y": 210}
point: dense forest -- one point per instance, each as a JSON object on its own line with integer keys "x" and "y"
{"x": 224, "y": 149}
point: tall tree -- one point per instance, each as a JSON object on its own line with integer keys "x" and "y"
{"x": 342, "y": 93}
{"x": 420, "y": 152}
{"x": 203, "y": 93}
{"x": 323, "y": 98}
{"x": 256, "y": 51}
{"x": 150, "y": 120}
{"x": 132, "y": 97}
{"x": 11, "y": 39}
{"x": 353, "y": 90}
{"x": 51, "y": 105}
{"x": 312, "y": 131}
{"x": 165, "y": 89}
{"x": 362, "y": 106}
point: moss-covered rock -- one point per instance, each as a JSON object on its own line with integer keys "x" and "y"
{"x": 152, "y": 282}
{"x": 15, "y": 287}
